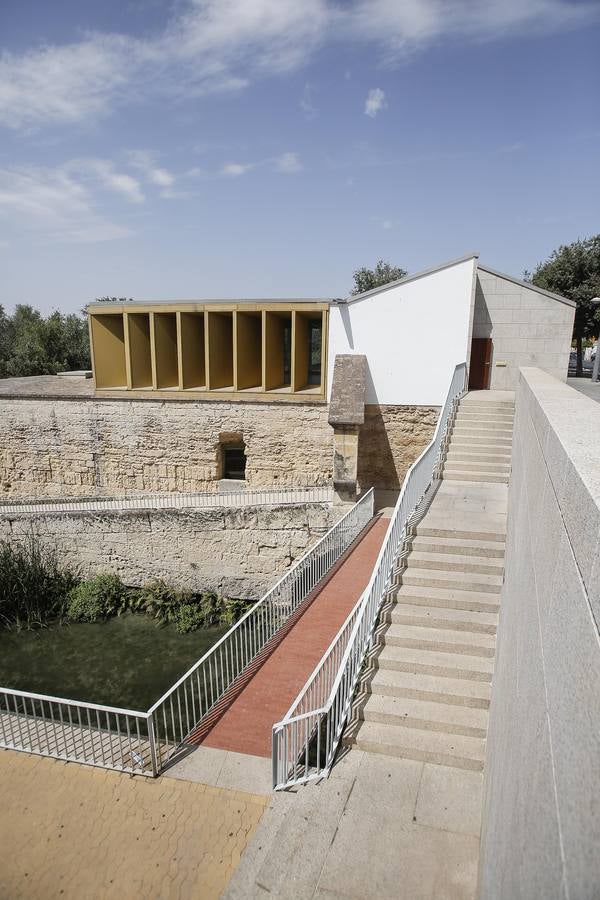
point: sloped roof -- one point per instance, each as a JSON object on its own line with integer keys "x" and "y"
{"x": 528, "y": 285}
{"x": 407, "y": 278}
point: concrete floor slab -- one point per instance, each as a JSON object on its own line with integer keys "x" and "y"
{"x": 450, "y": 799}
{"x": 586, "y": 386}
{"x": 226, "y": 769}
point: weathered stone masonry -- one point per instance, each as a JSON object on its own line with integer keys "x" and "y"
{"x": 83, "y": 446}
{"x": 236, "y": 552}
{"x": 58, "y": 448}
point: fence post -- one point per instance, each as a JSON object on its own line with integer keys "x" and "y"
{"x": 152, "y": 744}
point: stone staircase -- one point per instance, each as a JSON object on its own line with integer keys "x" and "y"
{"x": 426, "y": 689}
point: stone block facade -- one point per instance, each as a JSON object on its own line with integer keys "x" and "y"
{"x": 91, "y": 447}
{"x": 87, "y": 447}
{"x": 527, "y": 328}
{"x": 236, "y": 552}
{"x": 390, "y": 440}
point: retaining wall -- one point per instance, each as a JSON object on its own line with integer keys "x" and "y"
{"x": 237, "y": 552}
{"x": 541, "y": 824}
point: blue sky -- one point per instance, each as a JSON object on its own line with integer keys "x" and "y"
{"x": 224, "y": 148}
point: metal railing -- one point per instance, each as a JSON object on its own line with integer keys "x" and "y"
{"x": 143, "y": 742}
{"x": 266, "y": 497}
{"x": 183, "y": 708}
{"x": 85, "y": 732}
{"x": 306, "y": 740}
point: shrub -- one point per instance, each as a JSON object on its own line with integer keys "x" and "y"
{"x": 189, "y": 617}
{"x": 33, "y": 584}
{"x": 160, "y": 600}
{"x": 98, "y": 598}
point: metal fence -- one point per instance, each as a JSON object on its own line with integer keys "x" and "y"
{"x": 143, "y": 742}
{"x": 180, "y": 711}
{"x": 266, "y": 497}
{"x": 306, "y": 740}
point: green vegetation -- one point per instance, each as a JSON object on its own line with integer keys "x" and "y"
{"x": 573, "y": 271}
{"x": 35, "y": 591}
{"x": 33, "y": 345}
{"x": 33, "y": 585}
{"x": 367, "y": 279}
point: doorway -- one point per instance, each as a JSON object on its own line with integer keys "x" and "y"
{"x": 481, "y": 364}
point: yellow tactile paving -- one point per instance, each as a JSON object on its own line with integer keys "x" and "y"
{"x": 70, "y": 831}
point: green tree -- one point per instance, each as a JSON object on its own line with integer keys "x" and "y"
{"x": 33, "y": 345}
{"x": 573, "y": 271}
{"x": 367, "y": 279}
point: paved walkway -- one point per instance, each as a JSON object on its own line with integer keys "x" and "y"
{"x": 70, "y": 831}
{"x": 586, "y": 386}
{"x": 246, "y": 727}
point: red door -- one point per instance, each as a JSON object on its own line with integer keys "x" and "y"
{"x": 481, "y": 363}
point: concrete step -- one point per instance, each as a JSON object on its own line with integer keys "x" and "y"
{"x": 412, "y": 743}
{"x": 478, "y": 454}
{"x": 432, "y": 662}
{"x": 470, "y": 527}
{"x": 464, "y": 475}
{"x": 485, "y": 415}
{"x": 480, "y": 436}
{"x": 467, "y": 581}
{"x": 444, "y": 598}
{"x": 481, "y": 450}
{"x": 476, "y": 622}
{"x": 453, "y": 691}
{"x": 452, "y": 562}
{"x": 474, "y": 437}
{"x": 486, "y": 423}
{"x": 439, "y": 639}
{"x": 476, "y": 465}
{"x": 461, "y": 547}
{"x": 429, "y": 716}
{"x": 467, "y": 403}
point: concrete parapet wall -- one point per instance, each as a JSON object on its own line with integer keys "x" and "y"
{"x": 236, "y": 552}
{"x": 541, "y": 830}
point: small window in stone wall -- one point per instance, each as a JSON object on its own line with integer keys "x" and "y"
{"x": 234, "y": 462}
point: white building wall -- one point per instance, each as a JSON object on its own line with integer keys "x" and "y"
{"x": 413, "y": 335}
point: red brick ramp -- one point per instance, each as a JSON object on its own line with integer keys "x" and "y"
{"x": 246, "y": 724}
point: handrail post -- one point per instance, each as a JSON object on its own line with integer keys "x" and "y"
{"x": 152, "y": 744}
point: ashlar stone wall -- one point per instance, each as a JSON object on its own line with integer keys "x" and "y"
{"x": 236, "y": 552}
{"x": 390, "y": 440}
{"x": 92, "y": 447}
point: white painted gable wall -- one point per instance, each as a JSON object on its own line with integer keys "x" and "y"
{"x": 413, "y": 335}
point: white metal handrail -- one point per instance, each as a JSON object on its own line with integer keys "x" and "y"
{"x": 181, "y": 710}
{"x": 267, "y": 497}
{"x": 306, "y": 740}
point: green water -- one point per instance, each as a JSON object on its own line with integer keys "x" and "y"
{"x": 127, "y": 661}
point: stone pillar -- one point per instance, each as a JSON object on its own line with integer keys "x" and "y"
{"x": 346, "y": 415}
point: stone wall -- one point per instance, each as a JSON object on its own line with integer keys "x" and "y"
{"x": 390, "y": 440}
{"x": 236, "y": 552}
{"x": 527, "y": 329}
{"x": 541, "y": 827}
{"x": 90, "y": 447}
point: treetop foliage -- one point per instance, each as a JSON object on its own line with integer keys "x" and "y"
{"x": 573, "y": 271}
{"x": 367, "y": 279}
{"x": 31, "y": 344}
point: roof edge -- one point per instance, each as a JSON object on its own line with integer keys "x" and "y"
{"x": 527, "y": 284}
{"x": 202, "y": 300}
{"x": 352, "y": 298}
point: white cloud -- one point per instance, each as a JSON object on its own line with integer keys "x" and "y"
{"x": 53, "y": 203}
{"x": 234, "y": 170}
{"x": 288, "y": 162}
{"x": 221, "y": 45}
{"x": 103, "y": 170}
{"x": 375, "y": 102}
{"x": 144, "y": 160}
{"x": 307, "y": 104}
